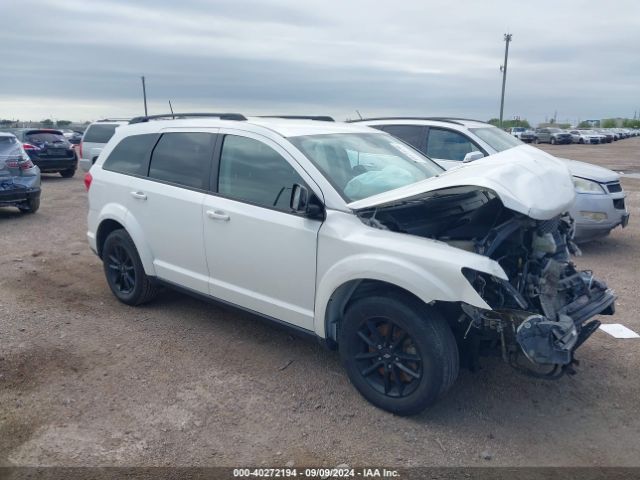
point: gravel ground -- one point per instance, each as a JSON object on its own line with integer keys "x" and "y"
{"x": 85, "y": 380}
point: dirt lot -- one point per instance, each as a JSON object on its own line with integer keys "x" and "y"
{"x": 85, "y": 380}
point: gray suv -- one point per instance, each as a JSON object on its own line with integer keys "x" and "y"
{"x": 19, "y": 177}
{"x": 554, "y": 136}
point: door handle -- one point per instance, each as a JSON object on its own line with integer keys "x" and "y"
{"x": 139, "y": 195}
{"x": 218, "y": 215}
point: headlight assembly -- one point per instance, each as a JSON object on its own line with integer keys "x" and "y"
{"x": 587, "y": 186}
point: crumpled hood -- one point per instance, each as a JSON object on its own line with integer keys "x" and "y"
{"x": 539, "y": 186}
{"x": 591, "y": 172}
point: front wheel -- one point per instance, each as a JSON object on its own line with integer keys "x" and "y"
{"x": 537, "y": 141}
{"x": 124, "y": 271}
{"x": 553, "y": 141}
{"x": 399, "y": 353}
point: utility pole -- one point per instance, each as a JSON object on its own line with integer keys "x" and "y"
{"x": 503, "y": 69}
{"x": 144, "y": 95}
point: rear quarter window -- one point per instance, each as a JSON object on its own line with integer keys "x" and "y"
{"x": 99, "y": 133}
{"x": 131, "y": 155}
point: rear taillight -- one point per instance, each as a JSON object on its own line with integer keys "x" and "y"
{"x": 28, "y": 146}
{"x": 87, "y": 180}
{"x": 20, "y": 163}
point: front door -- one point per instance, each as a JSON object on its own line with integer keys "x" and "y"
{"x": 260, "y": 255}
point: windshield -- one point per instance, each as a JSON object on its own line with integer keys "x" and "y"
{"x": 497, "y": 139}
{"x": 360, "y": 165}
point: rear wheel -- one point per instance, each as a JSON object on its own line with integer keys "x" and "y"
{"x": 68, "y": 173}
{"x": 124, "y": 271}
{"x": 399, "y": 353}
{"x": 30, "y": 206}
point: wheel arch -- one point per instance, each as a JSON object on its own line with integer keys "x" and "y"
{"x": 350, "y": 291}
{"x": 110, "y": 223}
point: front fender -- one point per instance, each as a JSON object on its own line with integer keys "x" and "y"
{"x": 418, "y": 281}
{"x": 431, "y": 270}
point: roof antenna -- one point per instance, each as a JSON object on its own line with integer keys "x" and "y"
{"x": 171, "y": 108}
{"x": 358, "y": 112}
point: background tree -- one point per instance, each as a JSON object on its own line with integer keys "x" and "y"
{"x": 509, "y": 123}
{"x": 47, "y": 122}
{"x": 609, "y": 123}
{"x": 63, "y": 123}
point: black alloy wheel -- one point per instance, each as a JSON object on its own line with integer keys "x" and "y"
{"x": 124, "y": 270}
{"x": 122, "y": 273}
{"x": 389, "y": 359}
{"x": 399, "y": 353}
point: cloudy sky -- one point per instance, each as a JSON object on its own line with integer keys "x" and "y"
{"x": 82, "y": 59}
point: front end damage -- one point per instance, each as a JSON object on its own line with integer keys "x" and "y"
{"x": 544, "y": 312}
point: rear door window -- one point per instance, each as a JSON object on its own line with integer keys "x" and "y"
{"x": 414, "y": 135}
{"x": 183, "y": 158}
{"x": 131, "y": 155}
{"x": 100, "y": 133}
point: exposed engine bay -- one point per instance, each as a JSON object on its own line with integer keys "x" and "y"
{"x": 542, "y": 314}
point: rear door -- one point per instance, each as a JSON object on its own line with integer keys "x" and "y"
{"x": 167, "y": 204}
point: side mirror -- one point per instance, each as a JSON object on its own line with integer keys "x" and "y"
{"x": 304, "y": 203}
{"x": 299, "y": 199}
{"x": 472, "y": 156}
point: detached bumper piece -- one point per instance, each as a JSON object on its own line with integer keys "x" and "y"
{"x": 553, "y": 343}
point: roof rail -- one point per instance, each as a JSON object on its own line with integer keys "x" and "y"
{"x": 319, "y": 118}
{"x": 437, "y": 119}
{"x": 113, "y": 120}
{"x": 221, "y": 116}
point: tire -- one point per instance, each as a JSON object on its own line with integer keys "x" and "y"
{"x": 30, "y": 206}
{"x": 537, "y": 141}
{"x": 124, "y": 271}
{"x": 68, "y": 173}
{"x": 581, "y": 141}
{"x": 552, "y": 141}
{"x": 375, "y": 329}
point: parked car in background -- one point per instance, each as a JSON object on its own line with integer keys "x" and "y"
{"x": 554, "y": 136}
{"x": 48, "y": 149}
{"x": 586, "y": 136}
{"x": 95, "y": 138}
{"x": 517, "y": 131}
{"x": 600, "y": 200}
{"x": 528, "y": 136}
{"x": 73, "y": 136}
{"x": 19, "y": 177}
{"x": 608, "y": 136}
{"x": 352, "y": 236}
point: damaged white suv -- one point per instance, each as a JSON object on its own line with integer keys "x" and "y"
{"x": 346, "y": 233}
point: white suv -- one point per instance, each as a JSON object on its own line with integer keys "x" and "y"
{"x": 600, "y": 199}
{"x": 348, "y": 234}
{"x": 95, "y": 137}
